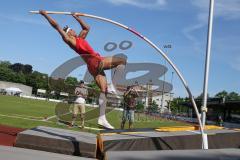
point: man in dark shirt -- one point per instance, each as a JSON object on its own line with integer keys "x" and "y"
{"x": 129, "y": 103}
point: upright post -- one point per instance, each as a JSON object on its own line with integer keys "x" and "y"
{"x": 207, "y": 63}
{"x": 206, "y": 73}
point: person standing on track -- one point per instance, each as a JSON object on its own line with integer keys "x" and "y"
{"x": 129, "y": 104}
{"x": 96, "y": 64}
{"x": 79, "y": 104}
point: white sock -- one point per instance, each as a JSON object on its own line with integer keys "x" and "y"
{"x": 102, "y": 118}
{"x": 102, "y": 105}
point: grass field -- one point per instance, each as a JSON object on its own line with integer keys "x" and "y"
{"x": 28, "y": 113}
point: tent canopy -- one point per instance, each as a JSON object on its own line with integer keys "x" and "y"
{"x": 13, "y": 89}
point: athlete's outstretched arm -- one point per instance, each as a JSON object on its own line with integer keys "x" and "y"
{"x": 85, "y": 27}
{"x": 55, "y": 25}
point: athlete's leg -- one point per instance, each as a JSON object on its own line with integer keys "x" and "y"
{"x": 102, "y": 83}
{"x": 112, "y": 62}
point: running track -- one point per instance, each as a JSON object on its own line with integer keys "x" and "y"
{"x": 8, "y": 135}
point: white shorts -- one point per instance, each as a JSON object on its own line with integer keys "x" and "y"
{"x": 80, "y": 100}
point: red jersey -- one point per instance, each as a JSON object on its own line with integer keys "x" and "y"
{"x": 85, "y": 50}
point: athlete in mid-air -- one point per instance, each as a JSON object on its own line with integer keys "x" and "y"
{"x": 95, "y": 62}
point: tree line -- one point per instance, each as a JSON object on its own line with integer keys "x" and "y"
{"x": 24, "y": 74}
{"x": 224, "y": 95}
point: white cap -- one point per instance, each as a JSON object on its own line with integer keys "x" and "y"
{"x": 68, "y": 29}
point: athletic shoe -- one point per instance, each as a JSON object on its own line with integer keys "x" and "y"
{"x": 104, "y": 124}
{"x": 82, "y": 127}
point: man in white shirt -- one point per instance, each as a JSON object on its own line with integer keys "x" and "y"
{"x": 79, "y": 104}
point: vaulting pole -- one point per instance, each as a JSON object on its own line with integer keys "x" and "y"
{"x": 204, "y": 140}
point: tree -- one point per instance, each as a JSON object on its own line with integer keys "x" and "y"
{"x": 140, "y": 107}
{"x": 27, "y": 69}
{"x": 176, "y": 104}
{"x": 6, "y": 74}
{"x": 19, "y": 78}
{"x": 228, "y": 96}
{"x": 154, "y": 107}
{"x": 93, "y": 92}
{"x": 37, "y": 80}
{"x": 201, "y": 96}
{"x": 222, "y": 94}
{"x": 17, "y": 67}
{"x": 71, "y": 81}
{"x": 94, "y": 86}
{"x": 4, "y": 64}
{"x": 233, "y": 96}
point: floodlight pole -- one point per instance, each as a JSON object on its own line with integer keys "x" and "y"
{"x": 167, "y": 46}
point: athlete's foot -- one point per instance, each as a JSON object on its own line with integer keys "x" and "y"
{"x": 81, "y": 126}
{"x": 104, "y": 123}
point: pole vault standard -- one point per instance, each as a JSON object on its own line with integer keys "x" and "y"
{"x": 204, "y": 139}
{"x": 207, "y": 62}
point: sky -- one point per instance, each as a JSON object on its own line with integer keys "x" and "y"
{"x": 29, "y": 39}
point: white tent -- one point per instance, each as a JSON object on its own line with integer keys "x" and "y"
{"x": 13, "y": 90}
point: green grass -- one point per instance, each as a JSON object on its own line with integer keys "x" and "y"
{"x": 28, "y": 113}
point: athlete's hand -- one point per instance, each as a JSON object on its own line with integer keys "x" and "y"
{"x": 42, "y": 12}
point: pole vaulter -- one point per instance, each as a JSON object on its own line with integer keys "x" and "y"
{"x": 204, "y": 139}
